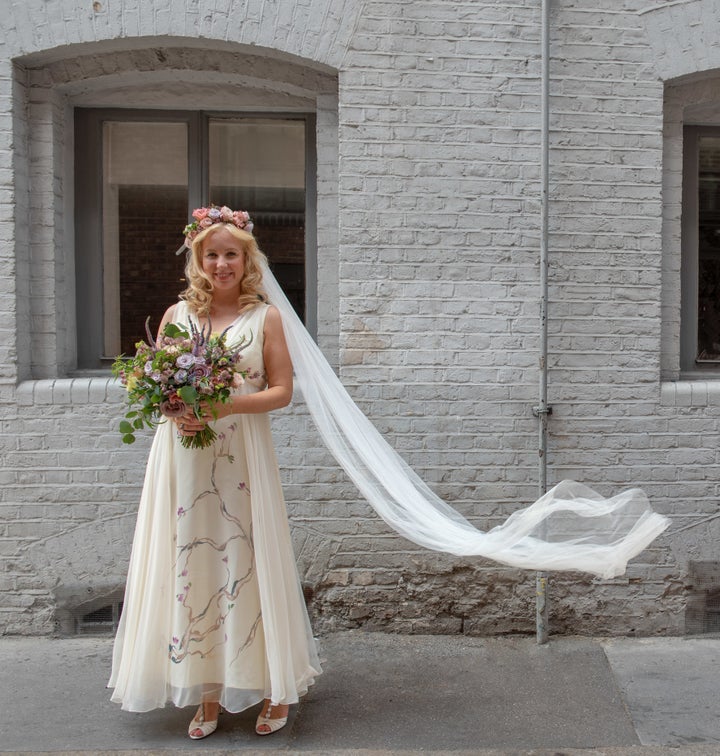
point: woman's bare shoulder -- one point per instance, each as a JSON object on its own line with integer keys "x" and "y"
{"x": 273, "y": 313}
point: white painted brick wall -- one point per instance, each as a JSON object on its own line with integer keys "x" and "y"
{"x": 428, "y": 236}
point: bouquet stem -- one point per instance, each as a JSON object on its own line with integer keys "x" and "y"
{"x": 201, "y": 440}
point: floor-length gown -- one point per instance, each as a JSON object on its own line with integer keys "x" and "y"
{"x": 213, "y": 605}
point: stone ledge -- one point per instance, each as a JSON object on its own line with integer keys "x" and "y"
{"x": 70, "y": 391}
{"x": 690, "y": 393}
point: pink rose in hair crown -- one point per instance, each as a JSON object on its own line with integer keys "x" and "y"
{"x": 242, "y": 220}
{"x": 207, "y": 216}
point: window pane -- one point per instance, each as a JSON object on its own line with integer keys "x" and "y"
{"x": 709, "y": 250}
{"x": 145, "y": 200}
{"x": 258, "y": 165}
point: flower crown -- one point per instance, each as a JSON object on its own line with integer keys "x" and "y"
{"x": 208, "y": 216}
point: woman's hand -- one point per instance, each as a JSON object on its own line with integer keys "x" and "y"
{"x": 188, "y": 424}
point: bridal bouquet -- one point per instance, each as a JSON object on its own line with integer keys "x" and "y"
{"x": 182, "y": 370}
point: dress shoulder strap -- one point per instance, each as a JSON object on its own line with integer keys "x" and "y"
{"x": 181, "y": 312}
{"x": 256, "y": 316}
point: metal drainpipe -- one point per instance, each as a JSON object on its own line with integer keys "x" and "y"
{"x": 543, "y": 410}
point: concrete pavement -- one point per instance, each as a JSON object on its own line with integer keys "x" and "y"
{"x": 396, "y": 694}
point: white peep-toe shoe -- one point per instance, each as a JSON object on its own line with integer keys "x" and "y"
{"x": 272, "y": 723}
{"x": 205, "y": 727}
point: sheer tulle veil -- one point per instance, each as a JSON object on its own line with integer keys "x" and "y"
{"x": 571, "y": 527}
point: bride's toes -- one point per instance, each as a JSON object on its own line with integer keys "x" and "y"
{"x": 272, "y": 718}
{"x": 201, "y": 726}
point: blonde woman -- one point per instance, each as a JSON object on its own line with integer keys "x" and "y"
{"x": 214, "y": 614}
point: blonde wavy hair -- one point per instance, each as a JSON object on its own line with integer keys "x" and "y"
{"x": 198, "y": 294}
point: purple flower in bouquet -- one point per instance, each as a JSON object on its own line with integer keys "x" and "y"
{"x": 199, "y": 370}
{"x": 185, "y": 360}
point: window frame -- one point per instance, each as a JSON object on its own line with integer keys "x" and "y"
{"x": 88, "y": 130}
{"x": 690, "y": 253}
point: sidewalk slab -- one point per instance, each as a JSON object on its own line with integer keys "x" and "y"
{"x": 449, "y": 693}
{"x": 671, "y": 687}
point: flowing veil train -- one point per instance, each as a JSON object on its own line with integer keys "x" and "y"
{"x": 571, "y": 527}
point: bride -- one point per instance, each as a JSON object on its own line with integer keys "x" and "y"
{"x": 214, "y": 614}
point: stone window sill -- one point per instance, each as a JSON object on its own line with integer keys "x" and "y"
{"x": 690, "y": 393}
{"x": 79, "y": 390}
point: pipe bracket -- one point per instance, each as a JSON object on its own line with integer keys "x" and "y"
{"x": 546, "y": 410}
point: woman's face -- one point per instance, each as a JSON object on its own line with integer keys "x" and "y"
{"x": 223, "y": 260}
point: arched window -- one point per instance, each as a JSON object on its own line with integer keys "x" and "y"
{"x": 115, "y": 149}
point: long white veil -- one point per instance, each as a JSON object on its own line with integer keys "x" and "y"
{"x": 569, "y": 528}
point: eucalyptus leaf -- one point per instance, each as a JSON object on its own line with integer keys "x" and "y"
{"x": 174, "y": 331}
{"x": 188, "y": 394}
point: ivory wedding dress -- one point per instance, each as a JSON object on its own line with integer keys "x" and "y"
{"x": 213, "y": 604}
